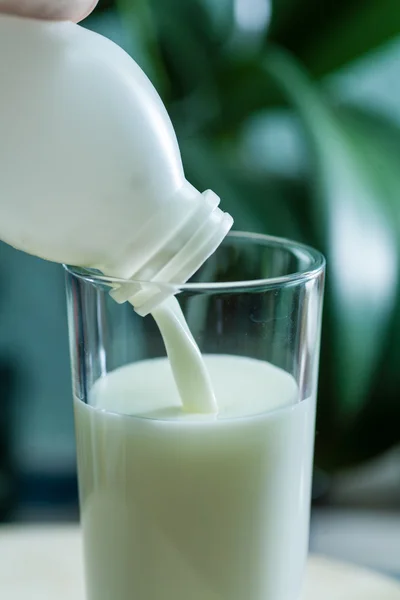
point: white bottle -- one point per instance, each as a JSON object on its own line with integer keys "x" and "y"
{"x": 89, "y": 158}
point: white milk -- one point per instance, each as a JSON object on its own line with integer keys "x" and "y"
{"x": 181, "y": 506}
{"x": 189, "y": 370}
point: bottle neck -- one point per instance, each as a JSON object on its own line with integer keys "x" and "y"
{"x": 171, "y": 248}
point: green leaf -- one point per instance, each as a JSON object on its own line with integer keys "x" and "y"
{"x": 139, "y": 24}
{"x": 327, "y": 35}
{"x": 375, "y": 430}
{"x": 262, "y": 205}
{"x": 204, "y": 167}
{"x": 353, "y": 216}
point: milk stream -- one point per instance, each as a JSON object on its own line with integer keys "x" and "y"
{"x": 178, "y": 505}
{"x": 190, "y": 372}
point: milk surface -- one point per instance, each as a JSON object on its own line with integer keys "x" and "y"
{"x": 189, "y": 506}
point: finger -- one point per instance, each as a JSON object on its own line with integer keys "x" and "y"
{"x": 58, "y": 10}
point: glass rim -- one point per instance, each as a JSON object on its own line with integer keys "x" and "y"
{"x": 315, "y": 266}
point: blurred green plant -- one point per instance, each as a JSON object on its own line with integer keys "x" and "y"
{"x": 218, "y": 66}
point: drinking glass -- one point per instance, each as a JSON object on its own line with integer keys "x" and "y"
{"x": 214, "y": 507}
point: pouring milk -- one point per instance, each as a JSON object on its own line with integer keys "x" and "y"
{"x": 195, "y": 486}
{"x": 91, "y": 174}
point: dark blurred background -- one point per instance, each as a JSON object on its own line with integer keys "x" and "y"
{"x": 290, "y": 111}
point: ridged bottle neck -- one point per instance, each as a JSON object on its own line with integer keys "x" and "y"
{"x": 172, "y": 247}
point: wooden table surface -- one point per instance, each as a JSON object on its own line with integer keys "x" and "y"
{"x": 45, "y": 563}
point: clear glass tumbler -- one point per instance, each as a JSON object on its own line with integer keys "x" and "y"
{"x": 179, "y": 506}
